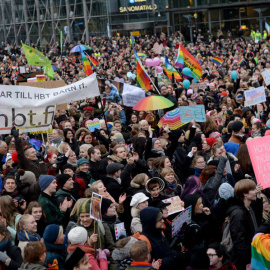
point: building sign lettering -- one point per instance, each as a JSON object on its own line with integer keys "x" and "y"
{"x": 137, "y": 8}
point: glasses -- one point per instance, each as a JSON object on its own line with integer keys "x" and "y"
{"x": 211, "y": 255}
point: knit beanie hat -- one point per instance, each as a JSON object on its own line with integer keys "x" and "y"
{"x": 14, "y": 157}
{"x": 84, "y": 207}
{"x": 138, "y": 198}
{"x": 105, "y": 204}
{"x": 62, "y": 179}
{"x": 153, "y": 141}
{"x": 26, "y": 177}
{"x": 232, "y": 147}
{"x": 77, "y": 236}
{"x": 210, "y": 141}
{"x": 67, "y": 166}
{"x": 51, "y": 233}
{"x": 215, "y": 134}
{"x": 8, "y": 157}
{"x": 228, "y": 113}
{"x": 237, "y": 126}
{"x": 73, "y": 258}
{"x": 82, "y": 161}
{"x": 119, "y": 140}
{"x": 226, "y": 191}
{"x": 45, "y": 181}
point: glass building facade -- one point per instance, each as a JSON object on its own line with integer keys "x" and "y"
{"x": 40, "y": 21}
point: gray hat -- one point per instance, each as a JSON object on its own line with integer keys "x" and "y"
{"x": 119, "y": 140}
{"x": 114, "y": 167}
{"x": 45, "y": 181}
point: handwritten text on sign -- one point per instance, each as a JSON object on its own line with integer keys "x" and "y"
{"x": 255, "y": 96}
{"x": 259, "y": 152}
{"x": 187, "y": 113}
{"x": 266, "y": 76}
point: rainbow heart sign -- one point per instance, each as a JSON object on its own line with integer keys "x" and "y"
{"x": 92, "y": 124}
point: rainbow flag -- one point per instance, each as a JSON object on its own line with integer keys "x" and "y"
{"x": 241, "y": 61}
{"x": 267, "y": 27}
{"x": 185, "y": 58}
{"x": 170, "y": 70}
{"x": 217, "y": 61}
{"x": 142, "y": 79}
{"x": 142, "y": 54}
{"x": 86, "y": 65}
{"x": 93, "y": 62}
{"x": 260, "y": 252}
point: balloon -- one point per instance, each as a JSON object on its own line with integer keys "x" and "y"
{"x": 156, "y": 61}
{"x": 234, "y": 74}
{"x": 129, "y": 74}
{"x": 158, "y": 69}
{"x": 186, "y": 83}
{"x": 186, "y": 71}
{"x": 149, "y": 62}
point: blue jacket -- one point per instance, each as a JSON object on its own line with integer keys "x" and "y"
{"x": 123, "y": 118}
{"x": 113, "y": 95}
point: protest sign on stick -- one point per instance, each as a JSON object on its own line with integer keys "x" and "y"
{"x": 187, "y": 113}
{"x": 178, "y": 222}
{"x": 175, "y": 204}
{"x": 95, "y": 207}
{"x": 132, "y": 94}
{"x": 255, "y": 96}
{"x": 259, "y": 152}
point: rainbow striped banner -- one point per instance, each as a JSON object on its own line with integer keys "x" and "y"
{"x": 241, "y": 61}
{"x": 260, "y": 252}
{"x": 142, "y": 78}
{"x": 170, "y": 70}
{"x": 217, "y": 61}
{"x": 86, "y": 65}
{"x": 93, "y": 62}
{"x": 185, "y": 58}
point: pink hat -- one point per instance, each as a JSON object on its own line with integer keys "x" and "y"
{"x": 215, "y": 134}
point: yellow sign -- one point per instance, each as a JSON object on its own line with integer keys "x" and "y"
{"x": 137, "y": 8}
{"x": 135, "y": 33}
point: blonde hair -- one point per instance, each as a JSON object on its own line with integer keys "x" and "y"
{"x": 22, "y": 221}
{"x": 143, "y": 122}
{"x": 265, "y": 214}
{"x": 77, "y": 205}
{"x": 96, "y": 183}
{"x": 166, "y": 171}
{"x": 62, "y": 147}
{"x": 52, "y": 149}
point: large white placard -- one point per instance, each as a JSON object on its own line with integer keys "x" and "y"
{"x": 266, "y": 76}
{"x": 132, "y": 94}
{"x": 255, "y": 96}
{"x": 32, "y": 108}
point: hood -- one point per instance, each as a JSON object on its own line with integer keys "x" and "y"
{"x": 34, "y": 266}
{"x": 134, "y": 185}
{"x": 79, "y": 131}
{"x": 231, "y": 147}
{"x": 191, "y": 199}
{"x": 148, "y": 219}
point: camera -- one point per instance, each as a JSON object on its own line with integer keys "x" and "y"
{"x": 20, "y": 200}
{"x": 114, "y": 106}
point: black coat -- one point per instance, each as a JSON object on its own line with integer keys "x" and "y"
{"x": 242, "y": 230}
{"x": 113, "y": 187}
{"x": 14, "y": 253}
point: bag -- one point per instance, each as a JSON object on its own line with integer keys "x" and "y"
{"x": 226, "y": 235}
{"x": 142, "y": 237}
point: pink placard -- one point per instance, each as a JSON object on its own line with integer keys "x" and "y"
{"x": 259, "y": 152}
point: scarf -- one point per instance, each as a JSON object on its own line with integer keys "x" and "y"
{"x": 197, "y": 171}
{"x": 27, "y": 236}
{"x": 162, "y": 153}
{"x": 256, "y": 134}
{"x": 5, "y": 244}
{"x": 170, "y": 187}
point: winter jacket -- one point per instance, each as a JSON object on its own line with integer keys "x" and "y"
{"x": 28, "y": 165}
{"x": 136, "y": 225}
{"x": 30, "y": 191}
{"x": 87, "y": 177}
{"x": 111, "y": 221}
{"x": 159, "y": 244}
{"x": 96, "y": 170}
{"x": 236, "y": 139}
{"x": 212, "y": 185}
{"x": 112, "y": 186}
{"x": 34, "y": 266}
{"x": 51, "y": 209}
{"x": 90, "y": 252}
{"x": 139, "y": 266}
{"x": 242, "y": 230}
{"x": 14, "y": 253}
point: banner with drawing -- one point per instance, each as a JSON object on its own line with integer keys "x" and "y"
{"x": 180, "y": 220}
{"x": 95, "y": 207}
{"x": 32, "y": 108}
{"x": 255, "y": 96}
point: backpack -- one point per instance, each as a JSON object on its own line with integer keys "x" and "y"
{"x": 226, "y": 235}
{"x": 142, "y": 237}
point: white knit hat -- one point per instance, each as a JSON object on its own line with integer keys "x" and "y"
{"x": 226, "y": 191}
{"x": 138, "y": 198}
{"x": 77, "y": 236}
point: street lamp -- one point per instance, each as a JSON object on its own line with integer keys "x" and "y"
{"x": 190, "y": 25}
{"x": 259, "y": 10}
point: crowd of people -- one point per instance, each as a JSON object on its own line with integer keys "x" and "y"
{"x": 135, "y": 165}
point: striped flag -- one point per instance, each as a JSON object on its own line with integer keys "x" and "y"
{"x": 217, "y": 61}
{"x": 169, "y": 70}
{"x": 86, "y": 65}
{"x": 142, "y": 79}
{"x": 267, "y": 27}
{"x": 93, "y": 61}
{"x": 185, "y": 59}
{"x": 241, "y": 61}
